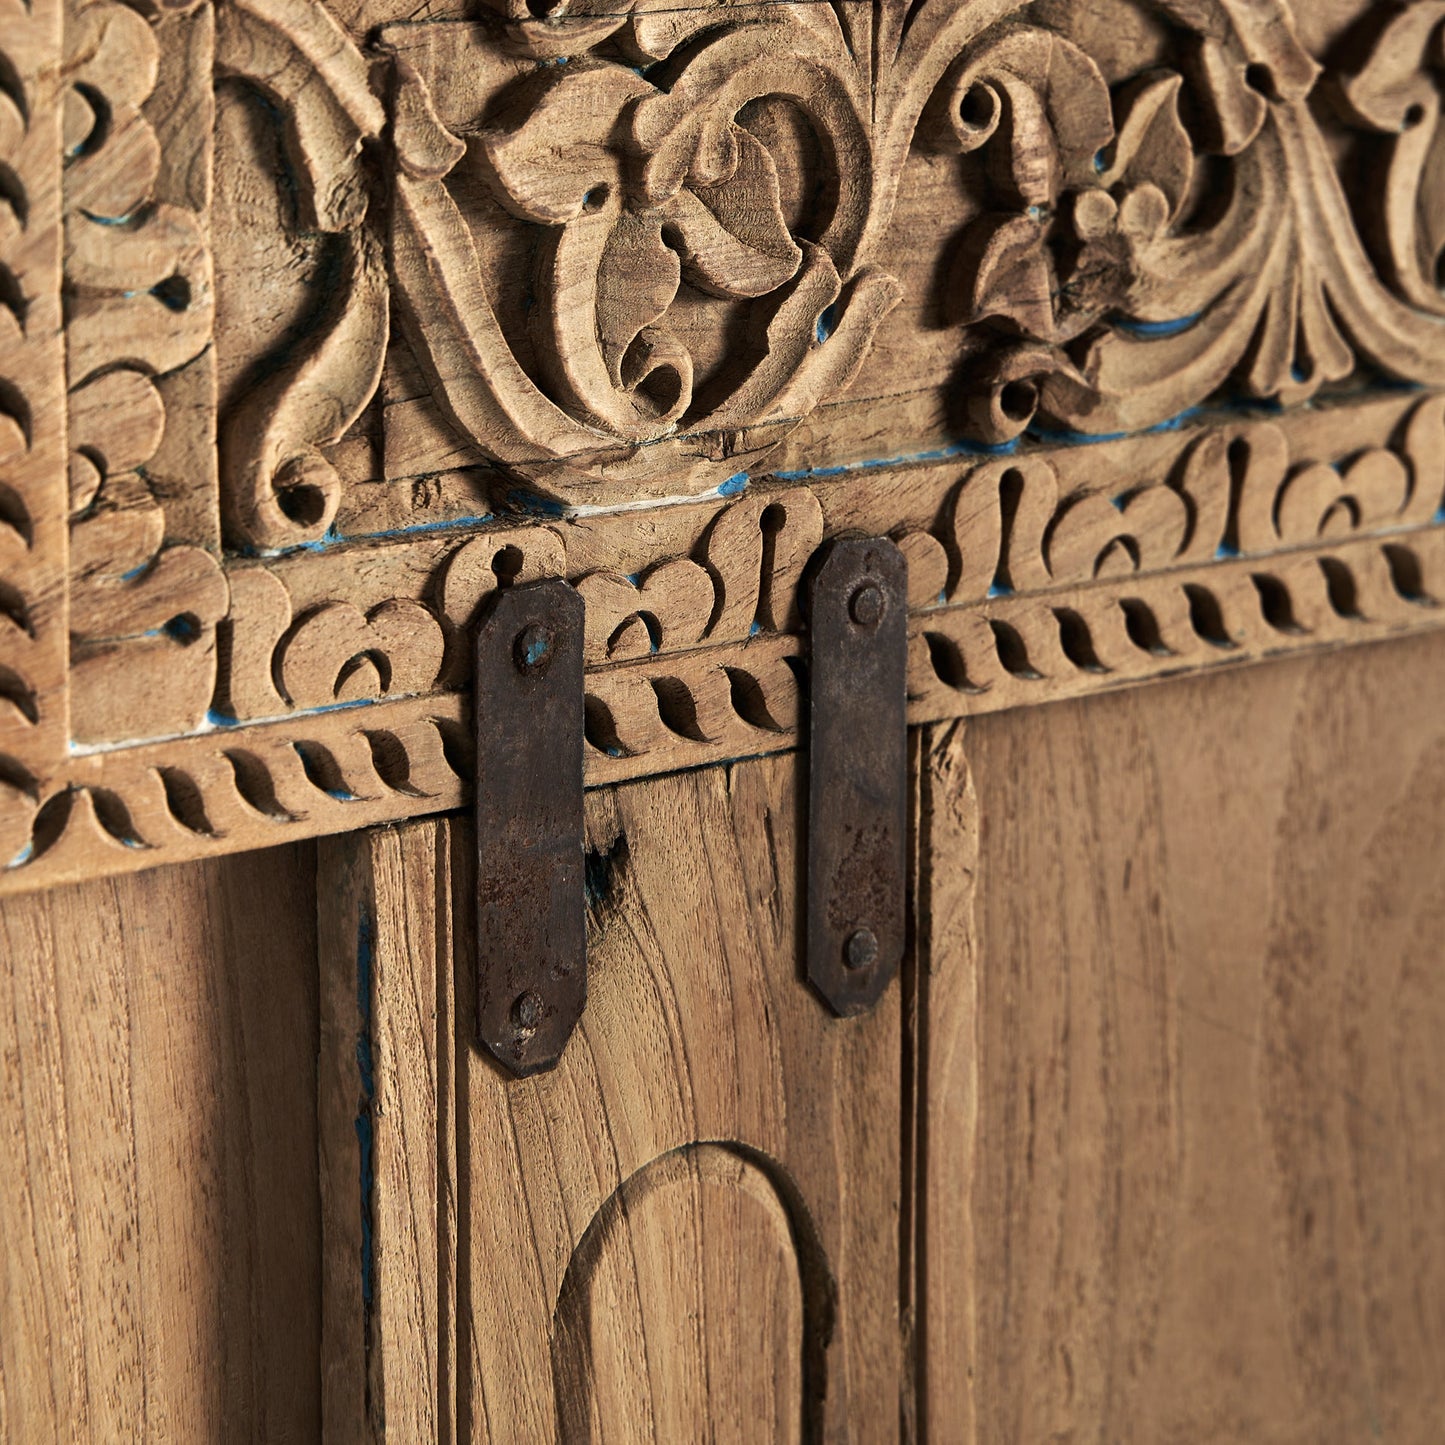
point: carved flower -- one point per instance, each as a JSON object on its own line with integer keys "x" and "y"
{"x": 702, "y": 206}
{"x": 1083, "y": 186}
{"x": 650, "y": 201}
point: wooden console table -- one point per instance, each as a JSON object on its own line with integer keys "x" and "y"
{"x": 721, "y": 720}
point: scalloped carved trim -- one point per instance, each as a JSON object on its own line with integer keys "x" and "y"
{"x": 1225, "y": 545}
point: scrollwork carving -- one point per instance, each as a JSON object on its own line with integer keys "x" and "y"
{"x": 33, "y": 712}
{"x": 278, "y": 488}
{"x": 604, "y": 395}
{"x": 139, "y": 307}
{"x": 912, "y": 257}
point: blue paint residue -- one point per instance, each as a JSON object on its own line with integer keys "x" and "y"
{"x": 754, "y": 628}
{"x": 535, "y": 650}
{"x": 999, "y": 590}
{"x": 531, "y": 505}
{"x": 218, "y": 719}
{"x": 1225, "y": 551}
{"x": 313, "y": 776}
{"x": 1088, "y": 439}
{"x": 416, "y": 528}
{"x": 933, "y": 454}
{"x": 735, "y": 485}
{"x": 1157, "y": 330}
{"x": 366, "y": 1073}
{"x": 183, "y": 629}
{"x": 827, "y": 323}
{"x": 332, "y": 538}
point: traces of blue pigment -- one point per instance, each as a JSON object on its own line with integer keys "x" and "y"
{"x": 1086, "y": 439}
{"x": 530, "y": 505}
{"x": 934, "y": 454}
{"x": 735, "y": 485}
{"x": 1158, "y": 330}
{"x": 367, "y": 1076}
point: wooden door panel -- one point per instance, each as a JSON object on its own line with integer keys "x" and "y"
{"x": 1181, "y": 1029}
{"x": 690, "y": 1229}
{"x": 159, "y": 1221}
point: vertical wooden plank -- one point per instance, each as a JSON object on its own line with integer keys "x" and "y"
{"x": 1184, "y": 1187}
{"x": 705, "y": 1073}
{"x": 267, "y": 992}
{"x": 158, "y": 1260}
{"x": 946, "y": 1064}
{"x": 344, "y": 1090}
{"x": 383, "y": 1154}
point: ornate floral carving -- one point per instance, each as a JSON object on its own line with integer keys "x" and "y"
{"x": 635, "y": 186}
{"x": 632, "y": 252}
{"x": 1032, "y": 582}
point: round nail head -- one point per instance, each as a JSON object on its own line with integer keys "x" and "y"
{"x": 527, "y": 1012}
{"x": 861, "y": 949}
{"x": 866, "y": 605}
{"x": 532, "y": 650}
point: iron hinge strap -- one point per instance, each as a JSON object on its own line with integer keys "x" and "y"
{"x": 531, "y": 938}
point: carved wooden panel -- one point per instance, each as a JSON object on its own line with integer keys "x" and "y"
{"x": 324, "y": 320}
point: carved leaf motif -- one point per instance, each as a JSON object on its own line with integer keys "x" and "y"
{"x": 1153, "y": 148}
{"x": 641, "y": 190}
{"x": 734, "y": 241}
{"x": 1014, "y": 281}
{"x": 549, "y": 151}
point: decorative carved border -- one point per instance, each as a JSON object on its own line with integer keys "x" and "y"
{"x": 203, "y": 647}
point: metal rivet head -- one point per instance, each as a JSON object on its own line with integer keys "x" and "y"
{"x": 861, "y": 949}
{"x": 532, "y": 650}
{"x": 527, "y": 1012}
{"x": 865, "y": 607}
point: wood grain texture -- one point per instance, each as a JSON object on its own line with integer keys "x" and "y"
{"x": 818, "y": 245}
{"x": 161, "y": 1277}
{"x": 1182, "y": 1077}
{"x": 387, "y": 1138}
{"x": 1058, "y": 573}
{"x": 698, "y": 1030}
{"x": 690, "y": 1229}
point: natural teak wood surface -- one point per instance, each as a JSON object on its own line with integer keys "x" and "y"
{"x": 325, "y": 319}
{"x": 690, "y": 1229}
{"x": 160, "y": 1253}
{"x": 322, "y": 322}
{"x": 1179, "y": 1034}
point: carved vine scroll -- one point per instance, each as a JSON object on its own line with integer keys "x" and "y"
{"x": 324, "y": 321}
